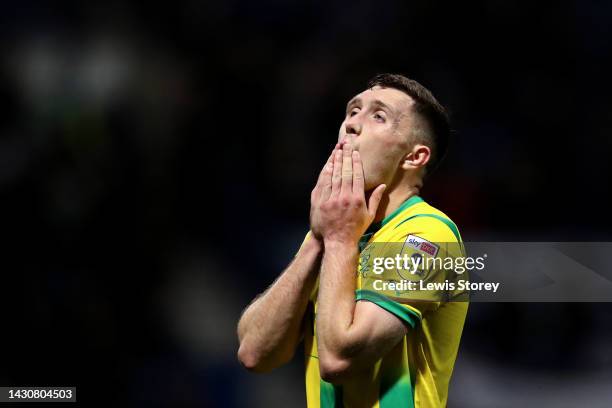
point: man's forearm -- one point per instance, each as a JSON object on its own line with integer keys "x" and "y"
{"x": 269, "y": 329}
{"x": 336, "y": 301}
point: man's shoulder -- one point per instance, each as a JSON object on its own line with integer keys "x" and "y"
{"x": 424, "y": 220}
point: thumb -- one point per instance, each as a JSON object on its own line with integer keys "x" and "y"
{"x": 375, "y": 198}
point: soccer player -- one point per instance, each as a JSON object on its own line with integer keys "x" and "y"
{"x": 366, "y": 347}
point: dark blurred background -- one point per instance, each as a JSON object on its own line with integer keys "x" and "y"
{"x": 156, "y": 163}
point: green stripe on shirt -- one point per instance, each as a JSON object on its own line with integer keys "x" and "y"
{"x": 407, "y": 315}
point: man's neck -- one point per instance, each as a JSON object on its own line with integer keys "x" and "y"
{"x": 392, "y": 200}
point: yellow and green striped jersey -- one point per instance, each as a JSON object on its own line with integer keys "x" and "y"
{"x": 416, "y": 372}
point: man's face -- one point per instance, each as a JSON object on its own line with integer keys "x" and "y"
{"x": 378, "y": 124}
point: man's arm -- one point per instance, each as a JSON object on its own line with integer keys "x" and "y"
{"x": 270, "y": 328}
{"x": 351, "y": 335}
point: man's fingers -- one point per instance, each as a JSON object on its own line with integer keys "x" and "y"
{"x": 358, "y": 186}
{"x": 375, "y": 198}
{"x": 347, "y": 168}
{"x": 337, "y": 174}
{"x": 326, "y": 187}
{"x": 324, "y": 180}
{"x": 326, "y": 172}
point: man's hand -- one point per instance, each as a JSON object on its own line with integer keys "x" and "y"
{"x": 351, "y": 335}
{"x": 320, "y": 194}
{"x": 338, "y": 204}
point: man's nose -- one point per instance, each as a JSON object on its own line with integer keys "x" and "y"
{"x": 353, "y": 127}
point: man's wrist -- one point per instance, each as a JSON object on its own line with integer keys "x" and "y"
{"x": 313, "y": 243}
{"x": 335, "y": 244}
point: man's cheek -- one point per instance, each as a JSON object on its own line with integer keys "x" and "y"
{"x": 371, "y": 173}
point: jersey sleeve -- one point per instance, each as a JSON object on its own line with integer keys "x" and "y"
{"x": 410, "y": 273}
{"x": 306, "y": 238}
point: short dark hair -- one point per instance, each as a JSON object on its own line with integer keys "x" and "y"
{"x": 425, "y": 105}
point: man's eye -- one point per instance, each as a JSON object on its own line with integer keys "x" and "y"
{"x": 379, "y": 117}
{"x": 353, "y": 112}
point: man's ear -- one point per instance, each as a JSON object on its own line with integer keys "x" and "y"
{"x": 417, "y": 158}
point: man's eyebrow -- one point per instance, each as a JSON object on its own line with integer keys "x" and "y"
{"x": 375, "y": 102}
{"x": 383, "y": 105}
{"x": 352, "y": 102}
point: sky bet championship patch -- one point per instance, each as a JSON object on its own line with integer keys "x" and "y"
{"x": 422, "y": 245}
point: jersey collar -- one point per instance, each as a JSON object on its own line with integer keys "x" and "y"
{"x": 375, "y": 226}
